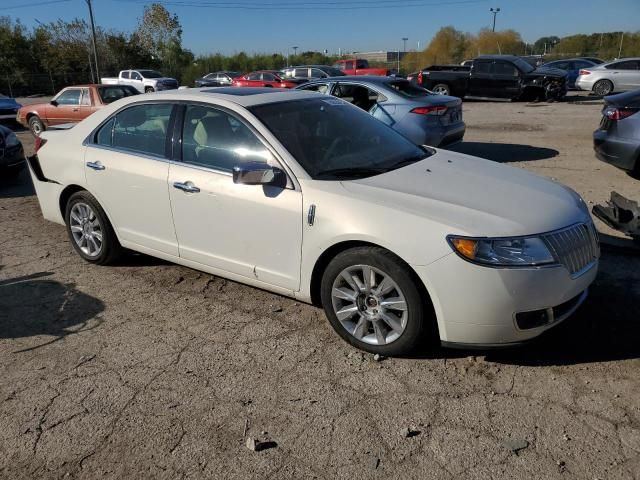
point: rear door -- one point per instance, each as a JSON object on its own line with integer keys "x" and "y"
{"x": 127, "y": 166}
{"x": 481, "y": 79}
{"x": 627, "y": 75}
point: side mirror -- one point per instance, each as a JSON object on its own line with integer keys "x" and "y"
{"x": 257, "y": 173}
{"x": 54, "y": 103}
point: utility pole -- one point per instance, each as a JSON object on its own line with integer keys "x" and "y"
{"x": 495, "y": 12}
{"x": 404, "y": 48}
{"x": 620, "y": 51}
{"x": 93, "y": 39}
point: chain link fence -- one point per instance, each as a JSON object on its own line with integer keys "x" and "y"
{"x": 35, "y": 84}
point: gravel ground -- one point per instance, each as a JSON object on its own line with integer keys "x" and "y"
{"x": 153, "y": 370}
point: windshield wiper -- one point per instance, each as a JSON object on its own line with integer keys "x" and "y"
{"x": 352, "y": 172}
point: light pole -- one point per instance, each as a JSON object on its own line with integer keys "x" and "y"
{"x": 93, "y": 38}
{"x": 495, "y": 12}
{"x": 404, "y": 48}
{"x": 295, "y": 51}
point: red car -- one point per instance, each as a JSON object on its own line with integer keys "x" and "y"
{"x": 266, "y": 78}
{"x": 357, "y": 66}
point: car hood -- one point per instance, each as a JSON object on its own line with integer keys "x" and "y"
{"x": 549, "y": 72}
{"x": 474, "y": 196}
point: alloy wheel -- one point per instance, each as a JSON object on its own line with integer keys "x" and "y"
{"x": 86, "y": 229}
{"x": 369, "y": 305}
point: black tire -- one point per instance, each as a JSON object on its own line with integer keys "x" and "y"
{"x": 441, "y": 89}
{"x": 268, "y": 86}
{"x": 603, "y": 88}
{"x": 148, "y": 90}
{"x": 417, "y": 323}
{"x": 36, "y": 126}
{"x": 111, "y": 248}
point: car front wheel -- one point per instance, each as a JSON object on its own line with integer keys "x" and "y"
{"x": 372, "y": 301}
{"x": 89, "y": 230}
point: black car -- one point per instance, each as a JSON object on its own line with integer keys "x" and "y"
{"x": 217, "y": 79}
{"x": 11, "y": 153}
{"x": 311, "y": 72}
{"x": 494, "y": 76}
{"x": 617, "y": 139}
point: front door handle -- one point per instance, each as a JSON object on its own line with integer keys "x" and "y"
{"x": 96, "y": 165}
{"x": 186, "y": 187}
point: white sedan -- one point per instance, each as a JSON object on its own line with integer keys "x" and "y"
{"x": 310, "y": 197}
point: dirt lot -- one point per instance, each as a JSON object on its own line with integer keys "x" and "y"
{"x": 153, "y": 370}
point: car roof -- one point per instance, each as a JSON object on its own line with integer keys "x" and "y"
{"x": 359, "y": 78}
{"x": 497, "y": 57}
{"x": 570, "y": 60}
{"x": 245, "y": 97}
{"x": 617, "y": 61}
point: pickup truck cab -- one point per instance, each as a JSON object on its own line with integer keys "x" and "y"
{"x": 356, "y": 66}
{"x": 494, "y": 76}
{"x": 145, "y": 81}
{"x": 71, "y": 105}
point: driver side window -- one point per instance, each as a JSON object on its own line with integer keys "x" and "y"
{"x": 215, "y": 139}
{"x": 69, "y": 97}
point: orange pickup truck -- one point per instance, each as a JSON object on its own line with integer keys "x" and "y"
{"x": 356, "y": 66}
{"x": 71, "y": 105}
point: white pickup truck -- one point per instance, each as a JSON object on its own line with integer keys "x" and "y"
{"x": 144, "y": 81}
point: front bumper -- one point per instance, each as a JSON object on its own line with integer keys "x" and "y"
{"x": 477, "y": 305}
{"x": 620, "y": 152}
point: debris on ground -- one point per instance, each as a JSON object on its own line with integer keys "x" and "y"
{"x": 409, "y": 432}
{"x": 516, "y": 444}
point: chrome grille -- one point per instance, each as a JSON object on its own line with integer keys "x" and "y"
{"x": 575, "y": 247}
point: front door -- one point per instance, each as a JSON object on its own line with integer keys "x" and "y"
{"x": 127, "y": 170}
{"x": 506, "y": 80}
{"x": 250, "y": 230}
{"x": 66, "y": 107}
{"x": 481, "y": 79}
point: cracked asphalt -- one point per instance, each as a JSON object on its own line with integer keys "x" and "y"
{"x": 151, "y": 370}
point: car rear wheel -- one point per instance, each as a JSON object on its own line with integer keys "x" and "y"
{"x": 36, "y": 126}
{"x": 441, "y": 89}
{"x": 372, "y": 301}
{"x": 89, "y": 230}
{"x": 603, "y": 88}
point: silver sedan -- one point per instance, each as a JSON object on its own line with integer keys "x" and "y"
{"x": 618, "y": 76}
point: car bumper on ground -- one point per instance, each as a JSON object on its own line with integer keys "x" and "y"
{"x": 12, "y": 157}
{"x": 483, "y": 306}
{"x": 623, "y": 153}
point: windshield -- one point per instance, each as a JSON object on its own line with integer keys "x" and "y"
{"x": 150, "y": 74}
{"x": 523, "y": 66}
{"x": 332, "y": 140}
{"x": 408, "y": 89}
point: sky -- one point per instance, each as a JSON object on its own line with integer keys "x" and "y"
{"x": 211, "y": 26}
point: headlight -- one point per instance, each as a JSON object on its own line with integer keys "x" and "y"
{"x": 503, "y": 252}
{"x": 12, "y": 140}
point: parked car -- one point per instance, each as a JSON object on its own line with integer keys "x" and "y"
{"x": 11, "y": 153}
{"x": 217, "y": 79}
{"x": 494, "y": 76}
{"x": 618, "y": 76}
{"x": 358, "y": 66}
{"x": 8, "y": 108}
{"x": 266, "y": 78}
{"x": 572, "y": 66}
{"x": 310, "y": 197}
{"x": 71, "y": 105}
{"x": 145, "y": 81}
{"x": 423, "y": 117}
{"x": 311, "y": 72}
{"x": 617, "y": 139}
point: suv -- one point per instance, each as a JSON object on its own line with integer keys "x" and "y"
{"x": 311, "y": 72}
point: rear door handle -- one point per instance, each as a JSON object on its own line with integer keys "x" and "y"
{"x": 96, "y": 165}
{"x": 186, "y": 187}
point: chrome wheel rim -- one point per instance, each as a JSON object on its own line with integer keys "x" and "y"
{"x": 369, "y": 305}
{"x": 602, "y": 89}
{"x": 36, "y": 128}
{"x": 440, "y": 91}
{"x": 86, "y": 229}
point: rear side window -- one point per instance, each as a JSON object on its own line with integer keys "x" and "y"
{"x": 268, "y": 77}
{"x": 301, "y": 73}
{"x": 215, "y": 139}
{"x": 253, "y": 76}
{"x": 141, "y": 128}
{"x": 126, "y": 74}
{"x": 626, "y": 65}
{"x": 482, "y": 67}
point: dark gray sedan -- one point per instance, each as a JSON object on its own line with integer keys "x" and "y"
{"x": 423, "y": 117}
{"x": 617, "y": 140}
